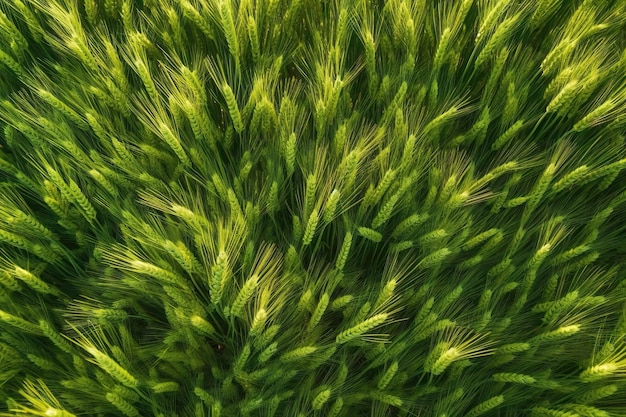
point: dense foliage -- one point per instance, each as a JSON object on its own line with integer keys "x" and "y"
{"x": 312, "y": 208}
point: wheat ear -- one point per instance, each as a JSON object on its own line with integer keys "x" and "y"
{"x": 361, "y": 328}
{"x": 113, "y": 368}
{"x": 122, "y": 405}
{"x": 485, "y": 406}
{"x": 246, "y": 292}
{"x": 298, "y": 354}
{"x": 233, "y": 107}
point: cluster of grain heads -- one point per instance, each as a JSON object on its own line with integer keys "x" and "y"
{"x": 301, "y": 208}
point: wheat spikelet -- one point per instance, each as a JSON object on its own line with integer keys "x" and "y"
{"x": 122, "y": 405}
{"x": 194, "y": 120}
{"x": 62, "y": 108}
{"x": 309, "y": 193}
{"x": 511, "y": 106}
{"x": 408, "y": 224}
{"x": 608, "y": 180}
{"x": 319, "y": 312}
{"x": 562, "y": 50}
{"x": 560, "y": 103}
{"x": 341, "y": 302}
{"x": 435, "y": 258}
{"x": 610, "y": 169}
{"x": 163, "y": 387}
{"x": 513, "y": 348}
{"x": 500, "y": 35}
{"x": 509, "y": 134}
{"x": 104, "y": 182}
{"x": 109, "y": 315}
{"x": 480, "y": 238}
{"x": 597, "y": 393}
{"x": 386, "y": 211}
{"x": 557, "y": 307}
{"x": 34, "y": 27}
{"x": 113, "y": 368}
{"x": 585, "y": 410}
{"x": 596, "y": 116}
{"x": 207, "y": 398}
{"x": 546, "y": 412}
{"x": 515, "y": 378}
{"x": 598, "y": 372}
{"x": 305, "y": 302}
{"x": 268, "y": 353}
{"x": 444, "y": 360}
{"x": 32, "y": 223}
{"x": 361, "y": 328}
{"x": 73, "y": 193}
{"x": 254, "y": 39}
{"x": 258, "y": 323}
{"x": 442, "y": 49}
{"x": 272, "y": 204}
{"x": 386, "y": 378}
{"x": 243, "y": 357}
{"x": 538, "y": 191}
{"x": 19, "y": 323}
{"x": 330, "y": 207}
{"x": 230, "y": 32}
{"x": 290, "y": 153}
{"x": 571, "y": 178}
{"x": 432, "y": 237}
{"x": 202, "y": 325}
{"x": 490, "y": 18}
{"x": 441, "y": 120}
{"x": 370, "y": 234}
{"x": 561, "y": 332}
{"x": 172, "y": 141}
{"x": 7, "y": 60}
{"x": 543, "y": 11}
{"x": 182, "y": 254}
{"x": 321, "y": 399}
{"x": 485, "y": 406}
{"x": 18, "y": 41}
{"x": 144, "y": 74}
{"x": 386, "y": 293}
{"x": 41, "y": 363}
{"x": 233, "y": 108}
{"x": 362, "y": 313}
{"x": 535, "y": 262}
{"x": 387, "y": 398}
{"x": 298, "y": 354}
{"x": 8, "y": 281}
{"x": 244, "y": 295}
{"x": 311, "y": 226}
{"x": 336, "y": 408}
{"x": 342, "y": 257}
{"x": 192, "y": 14}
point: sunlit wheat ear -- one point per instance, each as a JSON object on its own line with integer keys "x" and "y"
{"x": 362, "y": 328}
{"x": 609, "y": 367}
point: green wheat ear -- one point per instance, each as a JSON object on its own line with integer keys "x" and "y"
{"x": 302, "y": 208}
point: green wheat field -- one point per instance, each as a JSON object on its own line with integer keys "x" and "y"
{"x": 299, "y": 208}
